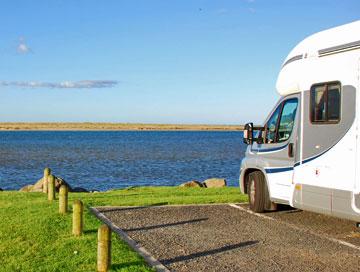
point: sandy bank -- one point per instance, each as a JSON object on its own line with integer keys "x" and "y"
{"x": 114, "y": 126}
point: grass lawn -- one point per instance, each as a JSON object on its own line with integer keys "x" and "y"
{"x": 34, "y": 237}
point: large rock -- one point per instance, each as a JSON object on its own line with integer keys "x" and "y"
{"x": 215, "y": 183}
{"x": 192, "y": 183}
{"x": 27, "y": 188}
{"x": 37, "y": 187}
{"x": 79, "y": 190}
{"x": 1, "y": 189}
{"x": 59, "y": 181}
{"x": 38, "y": 184}
{"x": 30, "y": 188}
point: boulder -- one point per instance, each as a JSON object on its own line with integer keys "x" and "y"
{"x": 26, "y": 188}
{"x": 79, "y": 190}
{"x": 214, "y": 183}
{"x": 38, "y": 184}
{"x": 37, "y": 187}
{"x": 59, "y": 181}
{"x": 192, "y": 183}
{"x": 1, "y": 190}
{"x": 36, "y": 190}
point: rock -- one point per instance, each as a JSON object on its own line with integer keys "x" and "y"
{"x": 26, "y": 188}
{"x": 59, "y": 181}
{"x": 79, "y": 190}
{"x": 215, "y": 183}
{"x": 1, "y": 190}
{"x": 36, "y": 190}
{"x": 38, "y": 184}
{"x": 192, "y": 183}
{"x": 37, "y": 187}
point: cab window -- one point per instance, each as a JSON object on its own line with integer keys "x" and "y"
{"x": 281, "y": 122}
{"x": 287, "y": 119}
{"x": 271, "y": 126}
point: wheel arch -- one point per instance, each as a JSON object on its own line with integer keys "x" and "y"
{"x": 247, "y": 172}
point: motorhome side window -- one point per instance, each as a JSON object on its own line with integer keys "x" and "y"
{"x": 281, "y": 122}
{"x": 325, "y": 103}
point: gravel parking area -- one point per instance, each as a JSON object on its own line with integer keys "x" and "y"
{"x": 224, "y": 238}
{"x": 341, "y": 229}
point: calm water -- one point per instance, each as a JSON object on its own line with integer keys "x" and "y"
{"x": 106, "y": 160}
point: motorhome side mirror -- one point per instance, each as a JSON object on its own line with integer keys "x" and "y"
{"x": 248, "y": 133}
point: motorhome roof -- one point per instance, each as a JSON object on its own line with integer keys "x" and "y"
{"x": 299, "y": 64}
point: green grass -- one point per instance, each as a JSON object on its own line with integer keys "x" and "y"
{"x": 34, "y": 237}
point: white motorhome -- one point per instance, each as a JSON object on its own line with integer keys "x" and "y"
{"x": 307, "y": 153}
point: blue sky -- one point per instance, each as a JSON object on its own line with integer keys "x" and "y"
{"x": 176, "y": 61}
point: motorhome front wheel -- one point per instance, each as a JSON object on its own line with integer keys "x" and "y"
{"x": 256, "y": 191}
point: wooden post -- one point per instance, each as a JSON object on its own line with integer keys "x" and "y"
{"x": 47, "y": 173}
{"x": 63, "y": 199}
{"x": 77, "y": 218}
{"x": 51, "y": 188}
{"x": 104, "y": 249}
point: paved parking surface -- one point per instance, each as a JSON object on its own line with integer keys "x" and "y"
{"x": 226, "y": 238}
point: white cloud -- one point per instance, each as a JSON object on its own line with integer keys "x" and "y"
{"x": 83, "y": 84}
{"x": 22, "y": 47}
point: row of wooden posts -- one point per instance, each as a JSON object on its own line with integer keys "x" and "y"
{"x": 104, "y": 232}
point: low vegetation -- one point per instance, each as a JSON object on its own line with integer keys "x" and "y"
{"x": 112, "y": 126}
{"x": 34, "y": 237}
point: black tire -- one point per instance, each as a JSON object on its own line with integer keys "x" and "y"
{"x": 256, "y": 189}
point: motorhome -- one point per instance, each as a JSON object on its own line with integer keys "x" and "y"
{"x": 307, "y": 152}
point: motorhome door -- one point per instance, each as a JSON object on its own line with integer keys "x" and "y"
{"x": 276, "y": 155}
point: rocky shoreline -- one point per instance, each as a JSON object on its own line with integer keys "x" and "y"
{"x": 41, "y": 184}
{"x": 208, "y": 183}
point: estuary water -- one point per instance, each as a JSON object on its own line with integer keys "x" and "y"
{"x": 103, "y": 160}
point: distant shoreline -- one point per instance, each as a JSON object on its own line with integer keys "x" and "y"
{"x": 88, "y": 126}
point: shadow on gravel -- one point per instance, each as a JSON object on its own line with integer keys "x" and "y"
{"x": 280, "y": 209}
{"x": 208, "y": 252}
{"x": 105, "y": 210}
{"x": 288, "y": 211}
{"x": 168, "y": 225}
{"x": 283, "y": 209}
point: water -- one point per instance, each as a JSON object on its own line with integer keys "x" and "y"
{"x": 104, "y": 160}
